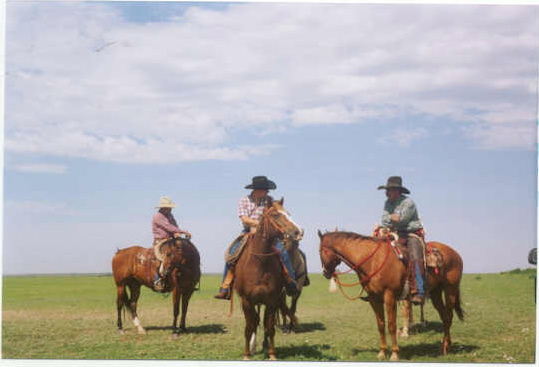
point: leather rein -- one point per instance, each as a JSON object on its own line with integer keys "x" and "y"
{"x": 357, "y": 268}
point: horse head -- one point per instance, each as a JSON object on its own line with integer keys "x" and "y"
{"x": 279, "y": 223}
{"x": 327, "y": 256}
{"x": 170, "y": 253}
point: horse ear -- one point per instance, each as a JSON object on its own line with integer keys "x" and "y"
{"x": 320, "y": 234}
{"x": 281, "y": 201}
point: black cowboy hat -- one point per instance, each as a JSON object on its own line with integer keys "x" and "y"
{"x": 394, "y": 182}
{"x": 262, "y": 183}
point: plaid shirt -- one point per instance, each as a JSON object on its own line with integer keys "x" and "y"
{"x": 249, "y": 208}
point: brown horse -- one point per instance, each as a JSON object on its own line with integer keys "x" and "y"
{"x": 259, "y": 275}
{"x": 383, "y": 276}
{"x": 135, "y": 266}
{"x": 297, "y": 260}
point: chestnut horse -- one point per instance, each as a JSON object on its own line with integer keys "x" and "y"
{"x": 135, "y": 266}
{"x": 383, "y": 276}
{"x": 259, "y": 275}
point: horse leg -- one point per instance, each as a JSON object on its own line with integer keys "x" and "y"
{"x": 186, "y": 296}
{"x": 407, "y": 318}
{"x": 121, "y": 300}
{"x": 391, "y": 309}
{"x": 269, "y": 330}
{"x": 422, "y": 310}
{"x": 175, "y": 308}
{"x": 251, "y": 323}
{"x": 293, "y": 307}
{"x": 451, "y": 295}
{"x": 436, "y": 298}
{"x": 378, "y": 308}
{"x": 135, "y": 294}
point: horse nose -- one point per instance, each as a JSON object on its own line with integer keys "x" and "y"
{"x": 299, "y": 233}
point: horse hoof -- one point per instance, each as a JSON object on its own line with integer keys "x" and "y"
{"x": 122, "y": 332}
{"x": 394, "y": 357}
{"x": 141, "y": 332}
{"x": 403, "y": 333}
{"x": 246, "y": 358}
{"x": 175, "y": 336}
{"x": 272, "y": 357}
{"x": 381, "y": 355}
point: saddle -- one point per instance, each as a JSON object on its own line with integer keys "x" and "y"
{"x": 433, "y": 257}
{"x": 232, "y": 258}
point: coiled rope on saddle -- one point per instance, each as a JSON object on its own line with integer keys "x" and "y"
{"x": 232, "y": 258}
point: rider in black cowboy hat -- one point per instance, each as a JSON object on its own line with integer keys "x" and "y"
{"x": 250, "y": 209}
{"x": 401, "y": 215}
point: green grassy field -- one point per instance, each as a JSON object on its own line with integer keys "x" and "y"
{"x": 74, "y": 317}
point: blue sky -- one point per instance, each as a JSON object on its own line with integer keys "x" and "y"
{"x": 109, "y": 106}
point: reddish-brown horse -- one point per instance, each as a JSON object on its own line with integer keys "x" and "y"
{"x": 383, "y": 276}
{"x": 135, "y": 266}
{"x": 259, "y": 275}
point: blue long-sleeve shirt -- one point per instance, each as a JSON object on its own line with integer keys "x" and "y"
{"x": 407, "y": 211}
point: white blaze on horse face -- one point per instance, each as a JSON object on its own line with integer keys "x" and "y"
{"x": 289, "y": 218}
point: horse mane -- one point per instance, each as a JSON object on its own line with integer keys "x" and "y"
{"x": 348, "y": 235}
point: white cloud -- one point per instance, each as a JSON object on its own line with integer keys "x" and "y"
{"x": 39, "y": 168}
{"x": 403, "y": 137}
{"x": 30, "y": 207}
{"x": 83, "y": 82}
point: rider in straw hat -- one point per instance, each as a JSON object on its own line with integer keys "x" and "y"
{"x": 164, "y": 226}
{"x": 401, "y": 215}
{"x": 250, "y": 209}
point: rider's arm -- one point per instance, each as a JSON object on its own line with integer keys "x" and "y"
{"x": 404, "y": 212}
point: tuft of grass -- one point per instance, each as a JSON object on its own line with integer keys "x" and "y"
{"x": 74, "y": 317}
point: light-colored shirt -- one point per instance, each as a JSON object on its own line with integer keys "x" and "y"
{"x": 163, "y": 226}
{"x": 407, "y": 211}
{"x": 249, "y": 208}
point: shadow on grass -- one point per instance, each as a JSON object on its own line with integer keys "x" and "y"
{"x": 296, "y": 352}
{"x": 436, "y": 326}
{"x": 432, "y": 350}
{"x": 202, "y": 329}
{"x": 309, "y": 327}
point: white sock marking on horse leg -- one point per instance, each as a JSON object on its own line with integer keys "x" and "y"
{"x": 252, "y": 343}
{"x": 140, "y": 329}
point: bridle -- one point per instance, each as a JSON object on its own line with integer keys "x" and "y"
{"x": 357, "y": 268}
{"x": 265, "y": 236}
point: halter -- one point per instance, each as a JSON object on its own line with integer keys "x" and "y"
{"x": 356, "y": 267}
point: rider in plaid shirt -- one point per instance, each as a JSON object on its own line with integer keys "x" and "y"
{"x": 250, "y": 208}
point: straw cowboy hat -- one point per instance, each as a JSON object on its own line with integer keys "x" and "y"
{"x": 394, "y": 182}
{"x": 262, "y": 183}
{"x": 165, "y": 202}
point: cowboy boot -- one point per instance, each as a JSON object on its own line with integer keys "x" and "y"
{"x": 224, "y": 291}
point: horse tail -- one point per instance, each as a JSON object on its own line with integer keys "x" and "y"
{"x": 458, "y": 306}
